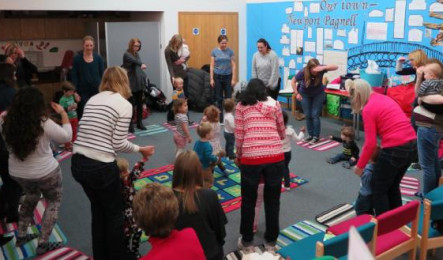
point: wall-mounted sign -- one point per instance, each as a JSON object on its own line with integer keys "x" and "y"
{"x": 195, "y": 31}
{"x": 223, "y": 31}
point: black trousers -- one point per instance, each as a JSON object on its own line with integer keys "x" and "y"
{"x": 137, "y": 105}
{"x": 389, "y": 169}
{"x": 101, "y": 183}
{"x": 85, "y": 96}
{"x": 250, "y": 178}
{"x": 10, "y": 191}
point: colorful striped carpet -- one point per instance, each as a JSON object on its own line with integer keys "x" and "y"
{"x": 323, "y": 145}
{"x": 150, "y": 130}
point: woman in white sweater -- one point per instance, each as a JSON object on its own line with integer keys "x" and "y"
{"x": 265, "y": 67}
{"x": 27, "y": 133}
{"x": 103, "y": 131}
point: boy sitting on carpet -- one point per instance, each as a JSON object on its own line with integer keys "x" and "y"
{"x": 363, "y": 204}
{"x": 132, "y": 232}
{"x": 350, "y": 149}
{"x": 156, "y": 211}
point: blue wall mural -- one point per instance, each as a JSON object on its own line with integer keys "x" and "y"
{"x": 299, "y": 30}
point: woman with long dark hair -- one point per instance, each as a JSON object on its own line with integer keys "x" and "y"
{"x": 265, "y": 67}
{"x": 10, "y": 190}
{"x": 133, "y": 64}
{"x": 28, "y": 131}
{"x": 259, "y": 117}
{"x": 309, "y": 88}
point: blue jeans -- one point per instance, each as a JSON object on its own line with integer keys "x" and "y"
{"x": 250, "y": 178}
{"x": 312, "y": 106}
{"x": 229, "y": 146}
{"x": 428, "y": 141}
{"x": 389, "y": 169}
{"x": 101, "y": 183}
{"x": 342, "y": 157}
{"x": 223, "y": 89}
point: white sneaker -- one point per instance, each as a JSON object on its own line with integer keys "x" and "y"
{"x": 247, "y": 249}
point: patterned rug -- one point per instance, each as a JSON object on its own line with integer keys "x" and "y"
{"x": 228, "y": 188}
{"x": 11, "y": 252}
{"x": 150, "y": 130}
{"x": 323, "y": 145}
{"x": 409, "y": 186}
{"x": 64, "y": 253}
{"x": 174, "y": 128}
{"x": 38, "y": 214}
{"x": 298, "y": 231}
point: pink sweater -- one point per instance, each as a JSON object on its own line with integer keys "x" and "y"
{"x": 259, "y": 130}
{"x": 382, "y": 116}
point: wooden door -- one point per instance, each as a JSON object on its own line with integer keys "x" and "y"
{"x": 209, "y": 26}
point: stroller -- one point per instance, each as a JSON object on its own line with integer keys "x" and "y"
{"x": 155, "y": 99}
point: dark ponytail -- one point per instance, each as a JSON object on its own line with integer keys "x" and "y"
{"x": 265, "y": 42}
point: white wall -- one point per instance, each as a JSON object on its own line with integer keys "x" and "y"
{"x": 170, "y": 9}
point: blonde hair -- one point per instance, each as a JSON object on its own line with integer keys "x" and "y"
{"x": 115, "y": 79}
{"x": 419, "y": 56}
{"x": 122, "y": 164}
{"x": 131, "y": 43}
{"x": 360, "y": 91}
{"x": 212, "y": 114}
{"x": 88, "y": 38}
{"x": 203, "y": 129}
{"x": 10, "y": 48}
{"x": 187, "y": 178}
{"x": 155, "y": 210}
{"x": 435, "y": 68}
{"x": 177, "y": 80}
{"x": 176, "y": 42}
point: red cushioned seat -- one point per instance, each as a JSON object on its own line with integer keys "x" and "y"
{"x": 389, "y": 240}
{"x": 344, "y": 226}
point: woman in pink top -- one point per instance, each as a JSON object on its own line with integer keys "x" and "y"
{"x": 259, "y": 129}
{"x": 383, "y": 117}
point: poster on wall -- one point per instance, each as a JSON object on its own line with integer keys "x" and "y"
{"x": 399, "y": 19}
{"x": 339, "y": 58}
{"x": 377, "y": 31}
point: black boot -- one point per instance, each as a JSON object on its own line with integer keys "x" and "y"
{"x": 140, "y": 125}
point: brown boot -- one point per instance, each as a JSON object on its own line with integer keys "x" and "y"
{"x": 299, "y": 116}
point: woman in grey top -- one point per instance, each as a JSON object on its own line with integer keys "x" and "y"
{"x": 133, "y": 64}
{"x": 265, "y": 67}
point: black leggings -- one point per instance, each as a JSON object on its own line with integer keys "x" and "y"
{"x": 137, "y": 104}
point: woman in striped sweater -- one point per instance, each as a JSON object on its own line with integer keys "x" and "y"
{"x": 259, "y": 131}
{"x": 103, "y": 131}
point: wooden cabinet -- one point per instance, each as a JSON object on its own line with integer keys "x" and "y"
{"x": 56, "y": 28}
{"x": 76, "y": 28}
{"x": 10, "y": 29}
{"x": 32, "y": 29}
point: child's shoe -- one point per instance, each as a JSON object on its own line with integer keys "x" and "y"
{"x": 346, "y": 165}
{"x": 285, "y": 187}
{"x": 329, "y": 160}
{"x": 47, "y": 246}
{"x": 270, "y": 248}
{"x": 314, "y": 140}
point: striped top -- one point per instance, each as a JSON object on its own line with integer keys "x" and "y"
{"x": 181, "y": 119}
{"x": 259, "y": 131}
{"x": 103, "y": 129}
